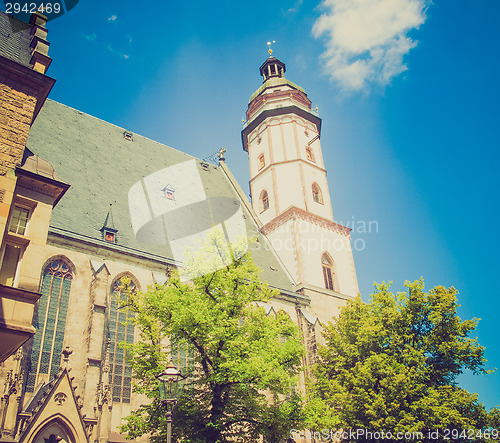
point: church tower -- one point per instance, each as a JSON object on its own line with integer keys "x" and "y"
{"x": 289, "y": 190}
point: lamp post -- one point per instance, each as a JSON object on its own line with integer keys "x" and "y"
{"x": 169, "y": 393}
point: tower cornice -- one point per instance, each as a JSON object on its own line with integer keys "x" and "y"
{"x": 262, "y": 99}
{"x": 285, "y": 162}
{"x": 294, "y": 213}
{"x": 273, "y": 83}
{"x": 307, "y": 115}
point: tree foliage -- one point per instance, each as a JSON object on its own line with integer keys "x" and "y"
{"x": 392, "y": 364}
{"x": 244, "y": 362}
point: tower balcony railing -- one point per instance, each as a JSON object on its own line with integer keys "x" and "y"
{"x": 280, "y": 103}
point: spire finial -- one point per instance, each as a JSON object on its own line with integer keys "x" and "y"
{"x": 270, "y": 50}
{"x": 109, "y": 222}
{"x": 221, "y": 154}
{"x": 105, "y": 367}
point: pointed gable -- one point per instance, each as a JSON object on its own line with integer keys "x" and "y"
{"x": 53, "y": 414}
{"x": 98, "y": 266}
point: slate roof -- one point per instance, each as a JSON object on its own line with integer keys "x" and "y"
{"x": 40, "y": 393}
{"x": 15, "y": 40}
{"x": 101, "y": 165}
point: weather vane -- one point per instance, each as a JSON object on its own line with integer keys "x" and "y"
{"x": 270, "y": 50}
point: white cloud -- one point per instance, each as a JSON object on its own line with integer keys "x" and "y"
{"x": 122, "y": 54}
{"x": 112, "y": 18}
{"x": 90, "y": 37}
{"x": 296, "y": 6}
{"x": 93, "y": 38}
{"x": 366, "y": 40}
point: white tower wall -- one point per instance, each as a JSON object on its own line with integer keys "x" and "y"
{"x": 282, "y": 138}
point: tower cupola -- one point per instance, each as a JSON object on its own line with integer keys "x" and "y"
{"x": 272, "y": 67}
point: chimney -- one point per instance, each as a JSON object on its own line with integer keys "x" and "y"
{"x": 39, "y": 44}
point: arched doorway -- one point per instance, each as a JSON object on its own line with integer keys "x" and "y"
{"x": 54, "y": 432}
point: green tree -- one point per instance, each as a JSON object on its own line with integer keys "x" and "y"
{"x": 244, "y": 362}
{"x": 391, "y": 365}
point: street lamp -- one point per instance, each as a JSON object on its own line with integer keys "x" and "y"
{"x": 169, "y": 393}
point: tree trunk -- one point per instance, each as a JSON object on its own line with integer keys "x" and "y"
{"x": 213, "y": 434}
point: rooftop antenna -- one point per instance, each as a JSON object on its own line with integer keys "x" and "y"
{"x": 270, "y": 50}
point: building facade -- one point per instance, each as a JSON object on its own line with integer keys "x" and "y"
{"x": 86, "y": 203}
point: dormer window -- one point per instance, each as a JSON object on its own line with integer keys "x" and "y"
{"x": 108, "y": 230}
{"x": 169, "y": 191}
{"x": 109, "y": 236}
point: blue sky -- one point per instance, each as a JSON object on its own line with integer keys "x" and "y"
{"x": 408, "y": 92}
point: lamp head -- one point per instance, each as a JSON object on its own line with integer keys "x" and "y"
{"x": 169, "y": 378}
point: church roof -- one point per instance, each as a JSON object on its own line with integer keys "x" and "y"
{"x": 103, "y": 162}
{"x": 15, "y": 40}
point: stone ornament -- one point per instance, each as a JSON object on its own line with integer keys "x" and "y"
{"x": 60, "y": 398}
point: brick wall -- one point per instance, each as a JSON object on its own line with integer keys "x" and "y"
{"x": 22, "y": 94}
{"x": 17, "y": 106}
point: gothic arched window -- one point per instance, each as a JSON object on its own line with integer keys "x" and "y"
{"x": 120, "y": 330}
{"x": 329, "y": 272}
{"x": 317, "y": 194}
{"x": 50, "y": 321}
{"x": 264, "y": 201}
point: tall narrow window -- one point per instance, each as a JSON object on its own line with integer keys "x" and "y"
{"x": 19, "y": 220}
{"x": 262, "y": 161}
{"x": 50, "y": 322}
{"x": 264, "y": 201}
{"x": 120, "y": 330}
{"x": 317, "y": 194}
{"x": 309, "y": 154}
{"x": 328, "y": 272}
{"x": 10, "y": 263}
